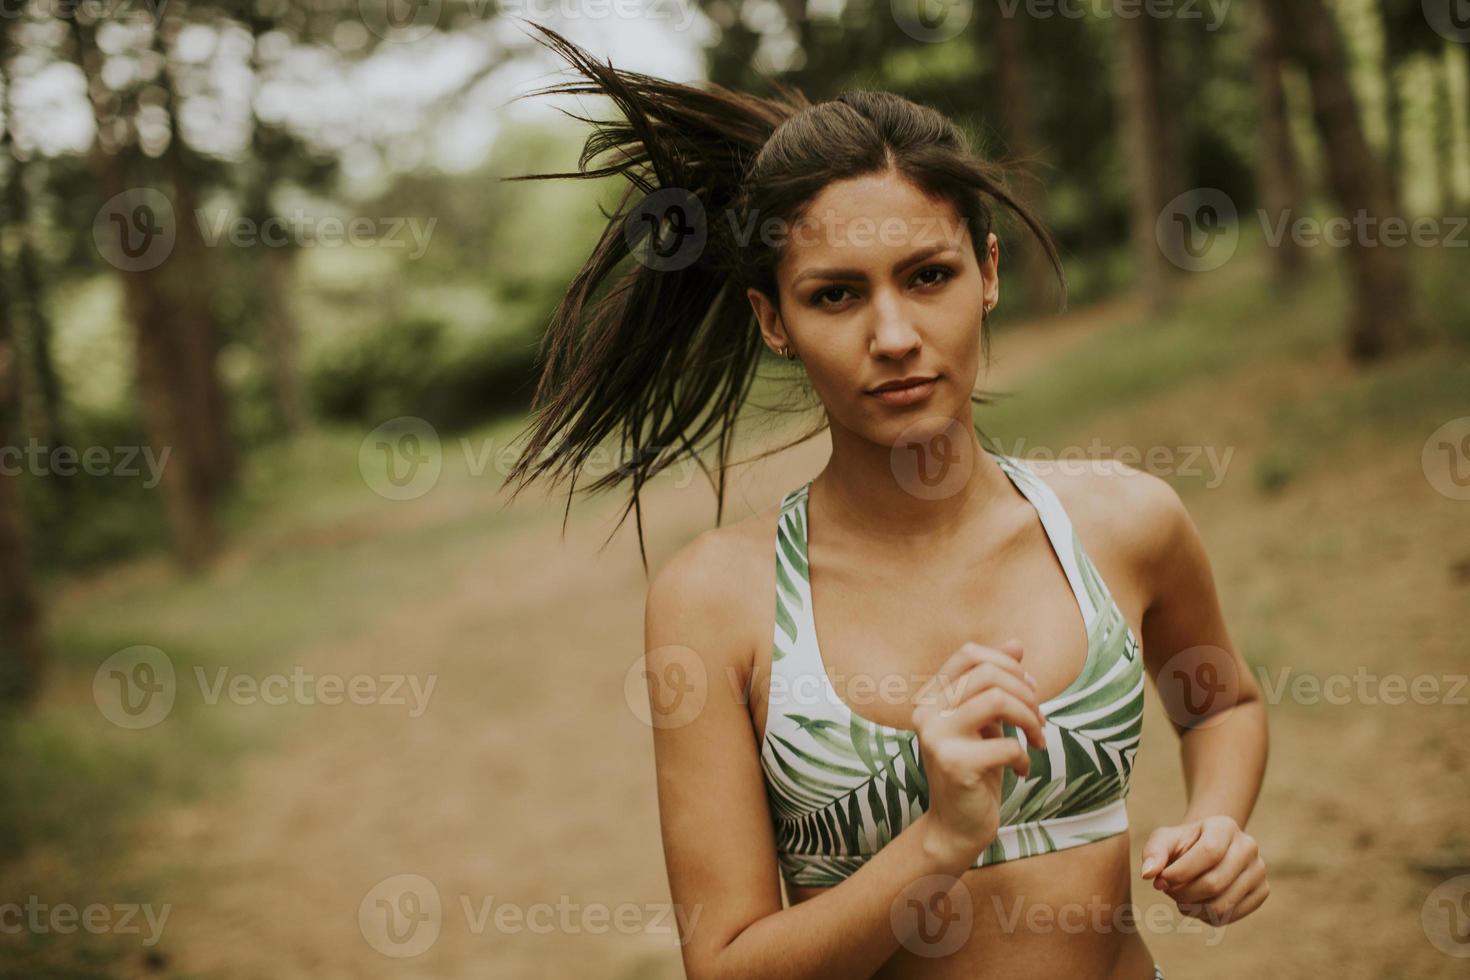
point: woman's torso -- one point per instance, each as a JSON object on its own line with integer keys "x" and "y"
{"x": 891, "y": 623}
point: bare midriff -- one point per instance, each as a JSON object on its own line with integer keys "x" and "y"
{"x": 1064, "y": 915}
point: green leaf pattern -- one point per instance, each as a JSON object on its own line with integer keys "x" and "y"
{"x": 840, "y": 787}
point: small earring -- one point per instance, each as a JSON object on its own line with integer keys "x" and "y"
{"x": 785, "y": 352}
{"x": 988, "y": 308}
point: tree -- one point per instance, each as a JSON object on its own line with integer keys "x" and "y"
{"x": 168, "y": 303}
{"x": 1382, "y": 315}
{"x": 1151, "y": 148}
{"x": 1278, "y": 175}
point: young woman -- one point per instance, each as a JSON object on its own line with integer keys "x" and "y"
{"x": 914, "y": 689}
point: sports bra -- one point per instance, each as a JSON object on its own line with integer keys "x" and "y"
{"x": 840, "y": 786}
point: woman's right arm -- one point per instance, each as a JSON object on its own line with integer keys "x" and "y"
{"x": 718, "y": 841}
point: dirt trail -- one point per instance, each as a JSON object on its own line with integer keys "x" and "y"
{"x": 528, "y": 783}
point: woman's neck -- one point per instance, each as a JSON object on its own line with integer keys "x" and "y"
{"x": 920, "y": 493}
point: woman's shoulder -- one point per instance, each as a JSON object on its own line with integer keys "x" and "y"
{"x": 716, "y": 590}
{"x": 1127, "y": 517}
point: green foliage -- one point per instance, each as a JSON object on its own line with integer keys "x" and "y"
{"x": 417, "y": 366}
{"x": 81, "y": 520}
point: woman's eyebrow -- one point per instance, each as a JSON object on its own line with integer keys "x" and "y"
{"x": 907, "y": 260}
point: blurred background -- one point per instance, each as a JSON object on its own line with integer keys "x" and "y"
{"x": 286, "y": 690}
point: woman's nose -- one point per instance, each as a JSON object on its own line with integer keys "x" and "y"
{"x": 893, "y": 335}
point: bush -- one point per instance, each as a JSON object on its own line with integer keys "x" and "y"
{"x": 418, "y": 366}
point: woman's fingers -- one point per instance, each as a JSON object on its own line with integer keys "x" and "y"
{"x": 986, "y": 675}
{"x": 1007, "y": 655}
{"x": 980, "y": 755}
{"x": 1228, "y": 873}
{"x": 1228, "y": 904}
{"x": 995, "y": 704}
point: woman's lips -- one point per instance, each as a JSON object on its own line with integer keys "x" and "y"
{"x": 909, "y": 395}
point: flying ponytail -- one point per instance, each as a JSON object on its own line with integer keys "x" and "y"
{"x": 663, "y": 353}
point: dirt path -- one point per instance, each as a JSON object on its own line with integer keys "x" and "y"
{"x": 527, "y": 785}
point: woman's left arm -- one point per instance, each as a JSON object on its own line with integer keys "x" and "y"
{"x": 1207, "y": 863}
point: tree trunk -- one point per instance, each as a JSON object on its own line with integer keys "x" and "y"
{"x": 1382, "y": 317}
{"x": 20, "y": 610}
{"x": 1278, "y": 176}
{"x": 39, "y": 390}
{"x": 274, "y": 271}
{"x": 1014, "y": 96}
{"x": 1151, "y": 150}
{"x": 176, "y": 347}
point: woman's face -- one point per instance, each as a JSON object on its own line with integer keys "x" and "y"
{"x": 880, "y": 282}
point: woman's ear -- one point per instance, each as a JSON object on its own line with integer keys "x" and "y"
{"x": 773, "y": 331}
{"x": 990, "y": 270}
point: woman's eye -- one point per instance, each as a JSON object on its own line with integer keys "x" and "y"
{"x": 828, "y": 292}
{"x": 945, "y": 273}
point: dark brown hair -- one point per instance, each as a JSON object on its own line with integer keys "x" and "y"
{"x": 665, "y": 356}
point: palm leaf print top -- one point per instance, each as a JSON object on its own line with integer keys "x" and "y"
{"x": 840, "y": 786}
